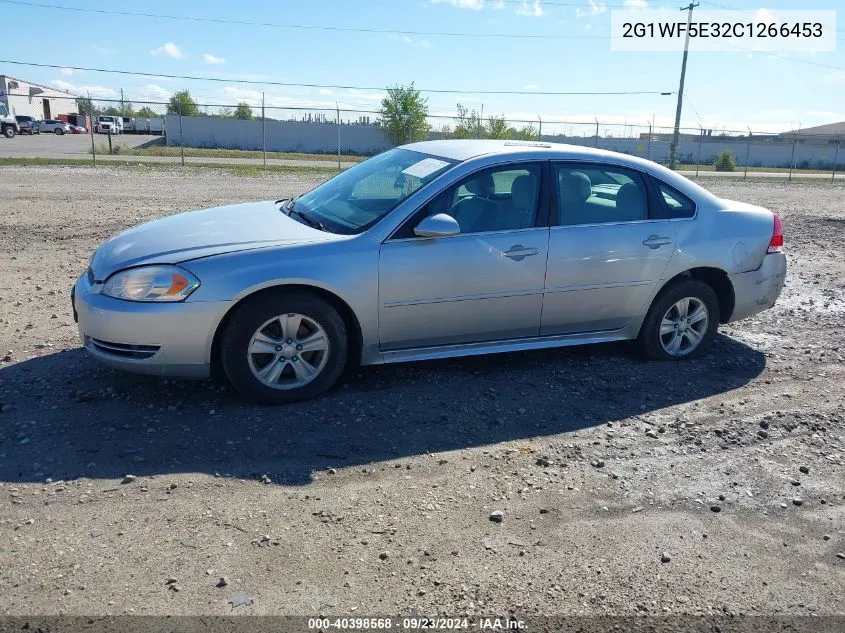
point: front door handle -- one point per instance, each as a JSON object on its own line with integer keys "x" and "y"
{"x": 656, "y": 241}
{"x": 518, "y": 252}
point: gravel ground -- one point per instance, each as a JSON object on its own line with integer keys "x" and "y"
{"x": 576, "y": 481}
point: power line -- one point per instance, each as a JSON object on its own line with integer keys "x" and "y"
{"x": 309, "y": 27}
{"x": 339, "y": 87}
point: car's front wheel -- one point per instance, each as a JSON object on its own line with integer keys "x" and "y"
{"x": 8, "y": 131}
{"x": 284, "y": 346}
{"x": 682, "y": 321}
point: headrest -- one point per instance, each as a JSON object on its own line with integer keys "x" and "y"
{"x": 575, "y": 187}
{"x": 482, "y": 185}
{"x": 523, "y": 192}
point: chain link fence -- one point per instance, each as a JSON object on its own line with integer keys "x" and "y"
{"x": 254, "y": 130}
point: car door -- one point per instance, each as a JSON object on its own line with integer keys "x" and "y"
{"x": 483, "y": 284}
{"x": 608, "y": 248}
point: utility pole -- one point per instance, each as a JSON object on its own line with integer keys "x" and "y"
{"x": 673, "y": 148}
{"x": 122, "y": 103}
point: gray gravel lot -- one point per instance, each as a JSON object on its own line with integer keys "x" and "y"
{"x": 378, "y": 497}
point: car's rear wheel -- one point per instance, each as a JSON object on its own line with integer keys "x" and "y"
{"x": 58, "y": 131}
{"x": 682, "y": 321}
{"x": 284, "y": 346}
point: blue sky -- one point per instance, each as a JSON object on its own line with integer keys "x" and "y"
{"x": 724, "y": 89}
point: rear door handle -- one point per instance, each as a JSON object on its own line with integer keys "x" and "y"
{"x": 518, "y": 252}
{"x": 656, "y": 241}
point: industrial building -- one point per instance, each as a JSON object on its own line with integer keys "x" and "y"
{"x": 28, "y": 99}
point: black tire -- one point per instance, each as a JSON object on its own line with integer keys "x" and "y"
{"x": 650, "y": 339}
{"x": 59, "y": 131}
{"x": 9, "y": 131}
{"x": 249, "y": 317}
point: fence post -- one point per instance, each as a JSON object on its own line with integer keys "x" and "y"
{"x": 94, "y": 151}
{"x": 648, "y": 151}
{"x": 698, "y": 158}
{"x": 747, "y": 155}
{"x": 540, "y": 128}
{"x": 181, "y": 138}
{"x": 263, "y": 133}
{"x": 597, "y": 132}
{"x": 338, "y": 135}
{"x": 792, "y": 158}
{"x": 835, "y": 157}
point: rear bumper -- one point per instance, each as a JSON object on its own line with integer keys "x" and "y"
{"x": 758, "y": 290}
{"x": 147, "y": 338}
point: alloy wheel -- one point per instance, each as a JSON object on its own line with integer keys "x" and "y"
{"x": 288, "y": 351}
{"x": 683, "y": 326}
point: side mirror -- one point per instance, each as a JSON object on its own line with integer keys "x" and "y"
{"x": 440, "y": 225}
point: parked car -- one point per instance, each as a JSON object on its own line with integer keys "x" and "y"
{"x": 431, "y": 250}
{"x": 56, "y": 127}
{"x": 78, "y": 129}
{"x": 28, "y": 125}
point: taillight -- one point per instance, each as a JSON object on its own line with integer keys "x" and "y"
{"x": 776, "y": 243}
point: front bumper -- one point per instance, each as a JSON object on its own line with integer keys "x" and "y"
{"x": 172, "y": 339}
{"x": 758, "y": 290}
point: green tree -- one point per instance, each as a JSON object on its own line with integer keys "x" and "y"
{"x": 725, "y": 161}
{"x": 403, "y": 114}
{"x": 527, "y": 133}
{"x": 85, "y": 105}
{"x": 497, "y": 127}
{"x": 146, "y": 113}
{"x": 126, "y": 109}
{"x": 467, "y": 123}
{"x": 112, "y": 111}
{"x": 243, "y": 111}
{"x": 182, "y": 100}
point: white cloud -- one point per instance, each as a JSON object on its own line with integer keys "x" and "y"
{"x": 475, "y": 5}
{"x": 596, "y": 8}
{"x": 425, "y": 43}
{"x": 169, "y": 49}
{"x": 325, "y": 92}
{"x": 67, "y": 72}
{"x": 102, "y": 50}
{"x": 765, "y": 16}
{"x": 531, "y": 87}
{"x": 836, "y": 77}
{"x": 588, "y": 27}
{"x": 94, "y": 91}
{"x": 401, "y": 38}
{"x": 533, "y": 9}
{"x": 636, "y": 4}
{"x": 208, "y": 58}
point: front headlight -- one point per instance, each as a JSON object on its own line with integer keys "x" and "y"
{"x": 151, "y": 283}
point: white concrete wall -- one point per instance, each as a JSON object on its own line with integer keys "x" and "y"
{"x": 764, "y": 154}
{"x": 25, "y": 105}
{"x": 295, "y": 136}
{"x": 281, "y": 136}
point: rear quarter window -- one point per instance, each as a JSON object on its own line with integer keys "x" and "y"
{"x": 674, "y": 204}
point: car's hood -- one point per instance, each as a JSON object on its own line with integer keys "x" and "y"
{"x": 203, "y": 233}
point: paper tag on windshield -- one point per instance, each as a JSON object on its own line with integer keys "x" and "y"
{"x": 425, "y": 167}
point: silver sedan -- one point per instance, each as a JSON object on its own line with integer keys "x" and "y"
{"x": 431, "y": 250}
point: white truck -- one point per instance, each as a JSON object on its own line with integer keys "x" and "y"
{"x": 107, "y": 124}
{"x": 8, "y": 124}
{"x": 149, "y": 126}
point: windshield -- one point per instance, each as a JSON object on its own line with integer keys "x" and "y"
{"x": 357, "y": 198}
